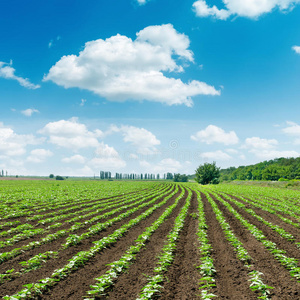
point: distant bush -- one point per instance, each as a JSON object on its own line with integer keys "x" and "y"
{"x": 59, "y": 177}
{"x": 51, "y": 176}
{"x": 180, "y": 178}
{"x": 283, "y": 179}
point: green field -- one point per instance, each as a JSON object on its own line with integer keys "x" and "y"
{"x": 148, "y": 239}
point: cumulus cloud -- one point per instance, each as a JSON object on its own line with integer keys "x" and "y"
{"x": 39, "y": 155}
{"x": 75, "y": 159}
{"x": 215, "y": 155}
{"x": 120, "y": 68}
{"x": 271, "y": 154}
{"x": 8, "y": 72}
{"x": 13, "y": 144}
{"x": 29, "y": 112}
{"x": 107, "y": 157}
{"x": 71, "y": 134}
{"x": 143, "y": 140}
{"x": 203, "y": 10}
{"x": 164, "y": 166}
{"x": 256, "y": 143}
{"x": 296, "y": 49}
{"x": 266, "y": 148}
{"x": 213, "y": 134}
{"x": 293, "y": 129}
{"x": 246, "y": 8}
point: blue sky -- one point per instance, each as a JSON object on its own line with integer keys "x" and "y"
{"x": 147, "y": 86}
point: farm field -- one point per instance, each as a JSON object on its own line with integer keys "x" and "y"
{"x": 148, "y": 240}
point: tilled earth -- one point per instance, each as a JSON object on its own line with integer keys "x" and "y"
{"x": 183, "y": 276}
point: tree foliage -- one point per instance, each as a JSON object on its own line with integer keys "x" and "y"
{"x": 180, "y": 178}
{"x": 272, "y": 170}
{"x": 208, "y": 174}
{"x": 170, "y": 176}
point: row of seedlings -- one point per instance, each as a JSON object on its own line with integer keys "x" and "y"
{"x": 81, "y": 258}
{"x": 250, "y": 211}
{"x": 255, "y": 276}
{"x": 207, "y": 269}
{"x": 166, "y": 257}
{"x": 271, "y": 209}
{"x": 106, "y": 280}
{"x": 73, "y": 238}
{"x": 290, "y": 263}
{"x": 29, "y": 231}
{"x": 25, "y": 209}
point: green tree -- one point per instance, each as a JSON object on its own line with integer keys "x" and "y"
{"x": 208, "y": 173}
{"x": 51, "y": 176}
{"x": 180, "y": 178}
{"x": 59, "y": 177}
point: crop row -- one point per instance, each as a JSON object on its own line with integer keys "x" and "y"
{"x": 28, "y": 199}
{"x": 117, "y": 267}
{"x": 81, "y": 258}
{"x": 289, "y": 263}
{"x": 73, "y": 239}
{"x": 166, "y": 257}
{"x": 242, "y": 254}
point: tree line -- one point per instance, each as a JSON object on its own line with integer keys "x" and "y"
{"x": 271, "y": 170}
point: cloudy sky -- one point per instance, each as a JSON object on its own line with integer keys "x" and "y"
{"x": 147, "y": 85}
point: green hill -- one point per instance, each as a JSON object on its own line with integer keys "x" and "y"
{"x": 276, "y": 169}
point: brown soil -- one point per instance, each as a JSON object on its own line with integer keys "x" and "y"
{"x": 76, "y": 285}
{"x": 275, "y": 275}
{"x": 232, "y": 275}
{"x": 53, "y": 264}
{"x": 182, "y": 276}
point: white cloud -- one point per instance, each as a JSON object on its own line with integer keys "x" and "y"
{"x": 271, "y": 154}
{"x": 144, "y": 141}
{"x": 203, "y": 10}
{"x": 164, "y": 166}
{"x": 266, "y": 148}
{"x": 213, "y": 134}
{"x": 232, "y": 151}
{"x": 39, "y": 155}
{"x": 13, "y": 144}
{"x": 141, "y": 2}
{"x": 29, "y": 112}
{"x": 296, "y": 49}
{"x": 256, "y": 143}
{"x": 107, "y": 158}
{"x": 293, "y": 129}
{"x": 82, "y": 102}
{"x": 120, "y": 68}
{"x": 133, "y": 156}
{"x": 75, "y": 159}
{"x": 215, "y": 155}
{"x": 246, "y": 8}
{"x": 71, "y": 134}
{"x": 8, "y": 72}
{"x": 51, "y": 43}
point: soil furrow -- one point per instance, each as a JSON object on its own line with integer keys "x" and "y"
{"x": 54, "y": 245}
{"x": 275, "y": 274}
{"x": 52, "y": 264}
{"x": 231, "y": 275}
{"x": 183, "y": 276}
{"x": 76, "y": 285}
{"x": 273, "y": 219}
